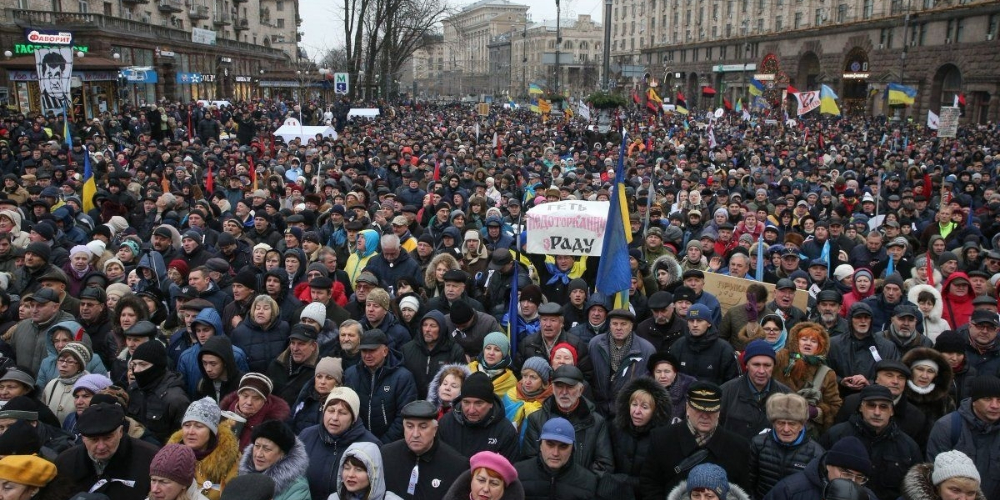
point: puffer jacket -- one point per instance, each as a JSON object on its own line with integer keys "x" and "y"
{"x": 220, "y": 465}
{"x": 161, "y": 406}
{"x": 956, "y": 310}
{"x": 383, "y": 394}
{"x": 933, "y": 323}
{"x": 936, "y": 403}
{"x": 189, "y": 362}
{"x": 919, "y": 485}
{"x": 325, "y": 449}
{"x": 974, "y": 437}
{"x": 261, "y": 343}
{"x": 592, "y": 448}
{"x": 288, "y": 473}
{"x": 607, "y": 384}
{"x": 631, "y": 445}
{"x": 892, "y": 452}
{"x": 744, "y": 413}
{"x": 771, "y": 461}
{"x": 571, "y": 482}
{"x": 492, "y": 433}
{"x": 48, "y": 370}
{"x": 236, "y": 366}
{"x": 707, "y": 358}
{"x": 423, "y": 362}
{"x": 826, "y": 398}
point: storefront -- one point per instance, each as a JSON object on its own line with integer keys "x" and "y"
{"x": 854, "y": 86}
{"x": 94, "y": 86}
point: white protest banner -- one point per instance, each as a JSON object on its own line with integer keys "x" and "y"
{"x": 567, "y": 228}
{"x": 948, "y": 122}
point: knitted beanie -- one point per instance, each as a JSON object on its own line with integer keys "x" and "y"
{"x": 331, "y": 366}
{"x": 758, "y": 347}
{"x": 84, "y": 249}
{"x": 949, "y": 341}
{"x": 479, "y": 386}
{"x": 380, "y": 297}
{"x": 540, "y": 366}
{"x": 257, "y": 382}
{"x": 347, "y": 395}
{"x": 314, "y": 311}
{"x": 500, "y": 340}
{"x": 954, "y": 464}
{"x": 409, "y": 302}
{"x": 709, "y": 477}
{"x": 175, "y": 462}
{"x": 850, "y": 453}
{"x": 79, "y": 351}
{"x": 985, "y": 386}
{"x": 92, "y": 382}
{"x": 204, "y": 411}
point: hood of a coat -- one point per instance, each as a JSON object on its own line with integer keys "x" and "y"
{"x": 368, "y": 454}
{"x": 284, "y": 472}
{"x": 668, "y": 263}
{"x": 209, "y": 317}
{"x": 371, "y": 242}
{"x": 942, "y": 381}
{"x": 662, "y": 410}
{"x": 915, "y": 291}
{"x": 76, "y": 329}
{"x": 432, "y": 388}
{"x": 919, "y": 485}
{"x": 222, "y": 347}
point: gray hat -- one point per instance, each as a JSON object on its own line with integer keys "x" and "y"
{"x": 419, "y": 409}
{"x": 550, "y": 309}
{"x": 204, "y": 411}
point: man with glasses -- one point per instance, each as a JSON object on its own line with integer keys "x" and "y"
{"x": 847, "y": 459}
{"x": 982, "y": 351}
{"x": 893, "y": 452}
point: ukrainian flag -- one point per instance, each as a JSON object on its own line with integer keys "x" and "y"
{"x": 534, "y": 89}
{"x": 900, "y": 94}
{"x": 756, "y": 88}
{"x": 828, "y": 101}
{"x": 614, "y": 275}
{"x": 89, "y": 184}
{"x": 66, "y": 136}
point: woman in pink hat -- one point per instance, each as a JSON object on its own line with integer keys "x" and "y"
{"x": 490, "y": 477}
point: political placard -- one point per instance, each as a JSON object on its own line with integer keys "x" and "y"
{"x": 567, "y": 227}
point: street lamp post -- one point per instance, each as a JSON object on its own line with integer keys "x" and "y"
{"x": 558, "y": 46}
{"x": 607, "y": 45}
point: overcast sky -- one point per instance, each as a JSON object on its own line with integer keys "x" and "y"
{"x": 323, "y": 22}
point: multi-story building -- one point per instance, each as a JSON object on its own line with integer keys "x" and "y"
{"x": 467, "y": 36}
{"x": 501, "y": 63}
{"x": 142, "y": 51}
{"x": 856, "y": 47}
{"x": 580, "y": 59}
{"x": 423, "y": 73}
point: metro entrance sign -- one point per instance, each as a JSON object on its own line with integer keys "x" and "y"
{"x": 341, "y": 83}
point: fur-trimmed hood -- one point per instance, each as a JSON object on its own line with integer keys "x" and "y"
{"x": 917, "y": 484}
{"x": 662, "y": 413}
{"x": 220, "y": 462}
{"x": 284, "y": 472}
{"x": 670, "y": 264}
{"x": 942, "y": 382}
{"x": 935, "y": 314}
{"x": 432, "y": 388}
{"x": 680, "y": 493}
{"x": 792, "y": 344}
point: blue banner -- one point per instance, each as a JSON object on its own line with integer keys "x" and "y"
{"x": 189, "y": 78}
{"x": 140, "y": 75}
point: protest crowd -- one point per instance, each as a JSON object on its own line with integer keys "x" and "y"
{"x": 193, "y": 309}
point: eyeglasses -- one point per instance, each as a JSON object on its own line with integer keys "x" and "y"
{"x": 858, "y": 478}
{"x": 66, "y": 361}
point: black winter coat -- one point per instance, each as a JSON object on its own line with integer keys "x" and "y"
{"x": 592, "y": 449}
{"x": 632, "y": 446}
{"x": 806, "y": 485}
{"x": 493, "y": 433}
{"x": 675, "y": 443}
{"x": 571, "y": 482}
{"x": 892, "y": 452}
{"x": 261, "y": 344}
{"x": 707, "y": 358}
{"x": 160, "y": 407}
{"x": 771, "y": 461}
{"x": 131, "y": 462}
{"x": 742, "y": 412}
{"x": 383, "y": 395}
{"x": 439, "y": 468}
{"x": 307, "y": 410}
{"x": 424, "y": 363}
{"x": 908, "y": 417}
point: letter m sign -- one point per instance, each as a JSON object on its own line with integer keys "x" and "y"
{"x": 341, "y": 83}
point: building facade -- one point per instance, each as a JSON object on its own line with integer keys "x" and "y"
{"x": 580, "y": 59}
{"x": 144, "y": 51}
{"x": 423, "y": 74}
{"x": 854, "y": 47}
{"x": 467, "y": 36}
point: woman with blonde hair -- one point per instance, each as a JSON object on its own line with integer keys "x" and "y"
{"x": 262, "y": 335}
{"x": 434, "y": 276}
{"x": 953, "y": 475}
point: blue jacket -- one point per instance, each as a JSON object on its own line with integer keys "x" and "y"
{"x": 390, "y": 272}
{"x": 383, "y": 395}
{"x": 47, "y": 370}
{"x": 325, "y": 451}
{"x": 261, "y": 343}
{"x": 188, "y": 365}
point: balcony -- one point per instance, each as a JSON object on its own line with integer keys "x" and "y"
{"x": 222, "y": 19}
{"x": 135, "y": 2}
{"x": 198, "y": 12}
{"x": 241, "y": 24}
{"x": 171, "y": 6}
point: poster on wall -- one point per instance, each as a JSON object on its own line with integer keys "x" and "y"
{"x": 55, "y": 69}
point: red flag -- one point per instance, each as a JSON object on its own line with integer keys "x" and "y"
{"x": 728, "y": 105}
{"x": 928, "y": 186}
{"x": 820, "y": 141}
{"x": 961, "y": 99}
{"x": 253, "y": 173}
{"x": 930, "y": 269}
{"x": 792, "y": 90}
{"x": 680, "y": 96}
{"x": 437, "y": 170}
{"x": 651, "y": 105}
{"x": 635, "y": 97}
{"x": 210, "y": 182}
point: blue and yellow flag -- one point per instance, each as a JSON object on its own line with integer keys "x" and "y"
{"x": 900, "y": 94}
{"x": 614, "y": 274}
{"x": 66, "y": 136}
{"x": 828, "y": 101}
{"x": 534, "y": 88}
{"x": 756, "y": 88}
{"x": 89, "y": 184}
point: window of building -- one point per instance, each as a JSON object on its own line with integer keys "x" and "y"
{"x": 84, "y": 6}
{"x": 760, "y": 25}
{"x": 722, "y": 52}
{"x": 950, "y": 33}
{"x": 715, "y": 32}
{"x": 798, "y": 20}
{"x": 708, "y": 53}
{"x": 869, "y": 9}
{"x": 694, "y": 55}
{"x": 743, "y": 5}
{"x": 959, "y": 29}
{"x": 22, "y": 4}
{"x": 729, "y": 31}
{"x": 780, "y": 3}
{"x": 922, "y": 35}
{"x": 896, "y": 7}
{"x": 842, "y": 13}
{"x": 778, "y": 24}
{"x": 280, "y": 5}
{"x": 729, "y": 8}
{"x": 281, "y": 23}
{"x": 819, "y": 17}
{"x": 928, "y": 4}
{"x": 992, "y": 27}
{"x": 885, "y": 38}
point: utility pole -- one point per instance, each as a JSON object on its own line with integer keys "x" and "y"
{"x": 607, "y": 46}
{"x": 558, "y": 46}
{"x": 524, "y": 58}
{"x": 902, "y": 55}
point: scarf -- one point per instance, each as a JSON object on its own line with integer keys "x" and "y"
{"x": 983, "y": 349}
{"x": 700, "y": 438}
{"x": 81, "y": 274}
{"x": 539, "y": 395}
{"x": 920, "y": 390}
{"x": 495, "y": 370}
{"x": 557, "y": 275}
{"x": 72, "y": 379}
{"x": 780, "y": 343}
{"x": 213, "y": 443}
{"x": 809, "y": 359}
{"x": 618, "y": 353}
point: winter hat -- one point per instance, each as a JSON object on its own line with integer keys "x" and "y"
{"x": 277, "y": 432}
{"x": 81, "y": 249}
{"x": 92, "y": 382}
{"x": 538, "y": 365}
{"x": 787, "y": 407}
{"x": 175, "y": 462}
{"x": 946, "y": 257}
{"x": 40, "y": 249}
{"x": 257, "y": 382}
{"x": 331, "y": 366}
{"x": 850, "y": 453}
{"x": 204, "y": 411}
{"x": 758, "y": 347}
{"x": 380, "y": 297}
{"x": 249, "y": 487}
{"x": 479, "y": 386}
{"x": 532, "y": 293}
{"x": 152, "y": 351}
{"x": 118, "y": 289}
{"x": 894, "y": 279}
{"x": 578, "y": 284}
{"x": 314, "y": 311}
{"x": 30, "y": 470}
{"x": 79, "y": 351}
{"x": 495, "y": 462}
{"x": 954, "y": 464}
{"x": 864, "y": 272}
{"x": 985, "y": 386}
{"x": 247, "y": 277}
{"x": 500, "y": 340}
{"x": 709, "y": 477}
{"x": 410, "y": 302}
{"x": 461, "y": 312}
{"x": 569, "y": 348}
{"x": 843, "y": 271}
{"x": 929, "y": 363}
{"x": 949, "y": 341}
{"x": 97, "y": 247}
{"x": 20, "y": 439}
{"x": 347, "y": 395}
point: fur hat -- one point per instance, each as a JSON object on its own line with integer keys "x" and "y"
{"x": 276, "y": 431}
{"x": 787, "y": 407}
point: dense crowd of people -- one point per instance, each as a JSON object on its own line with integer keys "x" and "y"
{"x": 230, "y": 316}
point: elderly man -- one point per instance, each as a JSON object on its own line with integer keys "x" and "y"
{"x": 853, "y": 356}
{"x": 902, "y": 330}
{"x": 554, "y": 469}
{"x": 783, "y": 303}
{"x": 982, "y": 351}
{"x": 477, "y": 422}
{"x": 29, "y": 339}
{"x": 744, "y": 399}
{"x": 617, "y": 357}
{"x": 827, "y": 312}
{"x": 455, "y": 283}
{"x": 393, "y": 263}
{"x": 847, "y": 459}
{"x": 108, "y": 461}
{"x": 421, "y": 466}
{"x": 383, "y": 385}
{"x": 591, "y": 429}
{"x": 664, "y": 327}
{"x": 677, "y": 444}
{"x": 892, "y": 451}
{"x": 596, "y": 324}
{"x": 551, "y": 332}
{"x": 702, "y": 353}
{"x": 296, "y": 366}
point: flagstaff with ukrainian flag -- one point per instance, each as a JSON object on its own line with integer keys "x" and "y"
{"x": 614, "y": 275}
{"x": 898, "y": 94}
{"x": 828, "y": 101}
{"x": 89, "y": 184}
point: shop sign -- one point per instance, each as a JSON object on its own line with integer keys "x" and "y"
{"x": 21, "y": 49}
{"x": 856, "y": 76}
{"x": 48, "y": 37}
{"x": 243, "y": 79}
{"x": 189, "y": 78}
{"x": 203, "y": 36}
{"x": 725, "y": 68}
{"x": 140, "y": 75}
{"x": 763, "y": 77}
